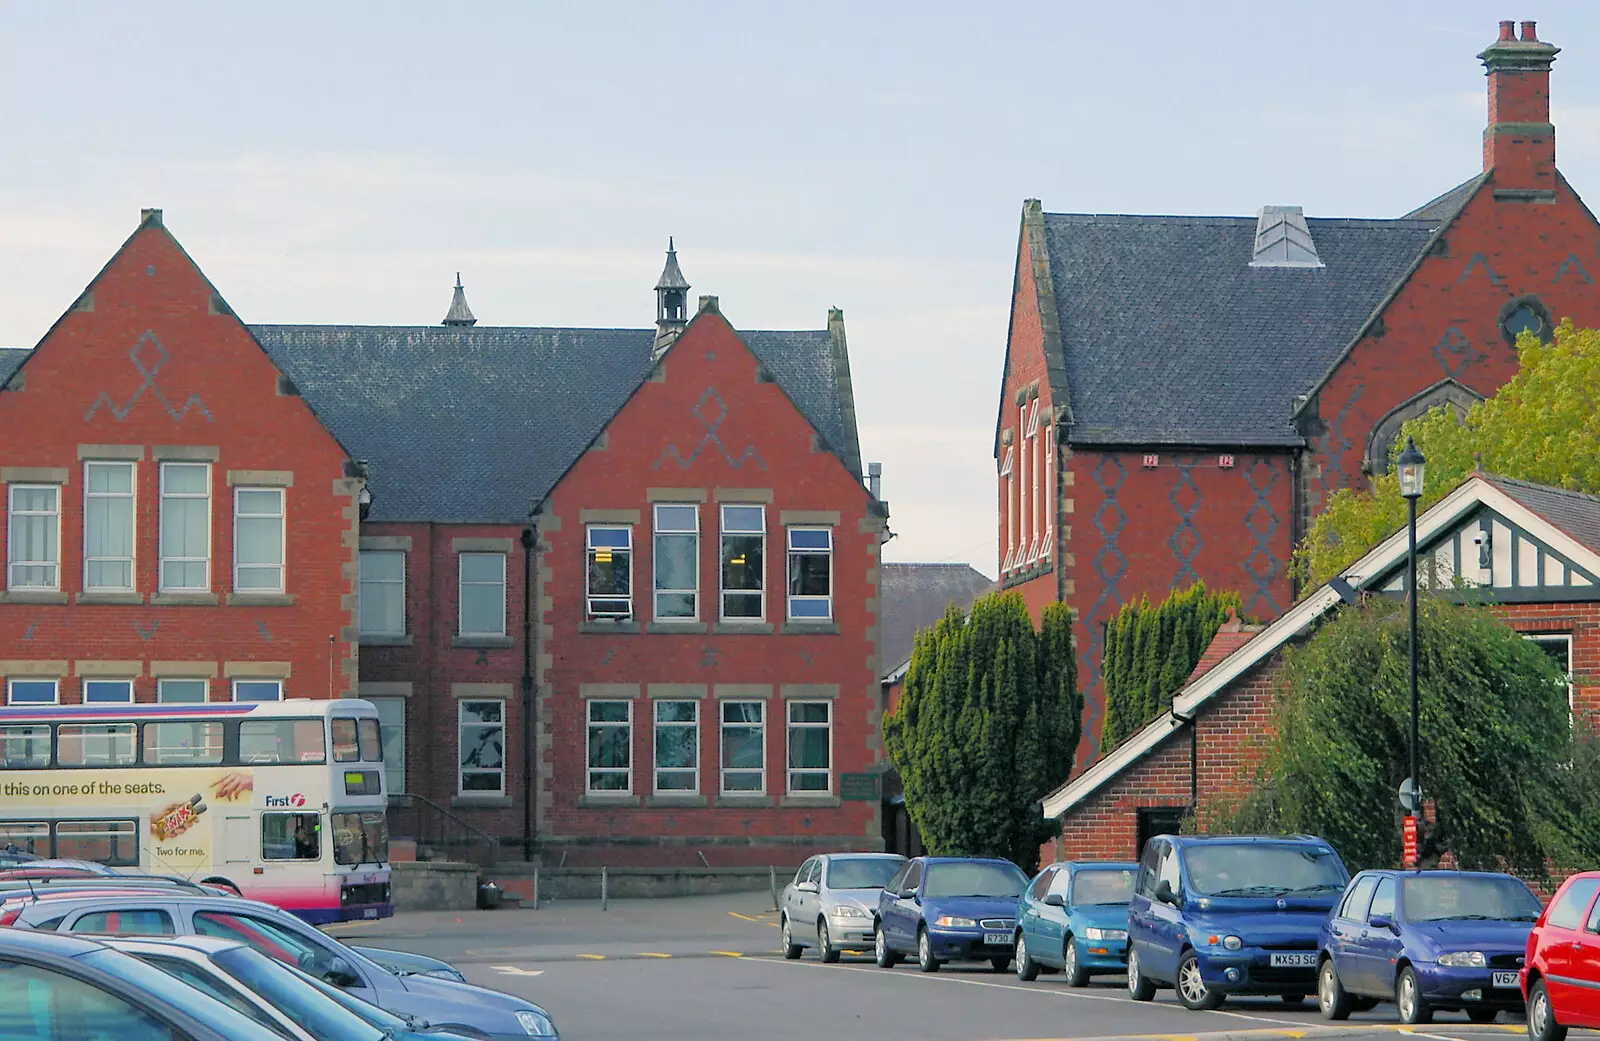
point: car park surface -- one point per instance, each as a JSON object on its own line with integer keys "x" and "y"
{"x": 1073, "y": 918}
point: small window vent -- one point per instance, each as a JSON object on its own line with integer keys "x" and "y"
{"x": 1283, "y": 240}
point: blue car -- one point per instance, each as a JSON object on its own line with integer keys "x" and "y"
{"x": 1219, "y": 915}
{"x": 1074, "y": 918}
{"x": 940, "y": 909}
{"x": 1427, "y": 940}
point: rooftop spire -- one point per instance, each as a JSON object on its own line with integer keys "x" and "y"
{"x": 460, "y": 314}
{"x": 671, "y": 275}
{"x": 672, "y": 294}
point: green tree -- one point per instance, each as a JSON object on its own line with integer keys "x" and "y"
{"x": 986, "y": 726}
{"x": 1541, "y": 426}
{"x": 1497, "y": 754}
{"x": 1150, "y": 651}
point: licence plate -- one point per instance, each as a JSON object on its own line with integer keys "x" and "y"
{"x": 1296, "y": 960}
{"x": 1505, "y": 979}
{"x": 997, "y": 939}
{"x": 370, "y": 912}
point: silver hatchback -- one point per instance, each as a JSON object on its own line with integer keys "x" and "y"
{"x": 829, "y": 903}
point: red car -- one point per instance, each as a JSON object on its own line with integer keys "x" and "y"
{"x": 1561, "y": 973}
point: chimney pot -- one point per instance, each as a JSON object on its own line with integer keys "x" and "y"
{"x": 875, "y": 479}
{"x": 152, "y": 216}
{"x": 709, "y": 304}
{"x": 1508, "y": 30}
{"x": 1530, "y": 33}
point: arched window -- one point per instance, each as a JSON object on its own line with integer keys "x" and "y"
{"x": 1384, "y": 432}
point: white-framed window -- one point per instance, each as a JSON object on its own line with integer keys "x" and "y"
{"x": 1559, "y": 647}
{"x": 392, "y": 733}
{"x": 1050, "y": 463}
{"x": 258, "y": 540}
{"x": 185, "y": 528}
{"x": 610, "y": 746}
{"x": 183, "y": 692}
{"x": 677, "y": 747}
{"x": 1031, "y": 426}
{"x": 677, "y": 562}
{"x": 811, "y": 573}
{"x": 481, "y": 737}
{"x": 108, "y": 527}
{"x": 33, "y": 536}
{"x": 383, "y": 592}
{"x": 258, "y": 690}
{"x": 1024, "y": 489}
{"x": 108, "y": 692}
{"x": 32, "y": 692}
{"x": 1011, "y": 513}
{"x": 608, "y": 549}
{"x": 744, "y": 747}
{"x": 744, "y": 552}
{"x": 483, "y": 594}
{"x": 810, "y": 746}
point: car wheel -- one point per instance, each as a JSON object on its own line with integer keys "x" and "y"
{"x": 791, "y": 950}
{"x": 1332, "y": 998}
{"x": 1139, "y": 988}
{"x": 1192, "y": 989}
{"x": 925, "y": 959}
{"x": 1027, "y": 968}
{"x": 1414, "y": 1008}
{"x": 1542, "y": 1025}
{"x": 1076, "y": 975}
{"x": 1482, "y": 1015}
{"x": 882, "y": 952}
{"x": 825, "y": 948}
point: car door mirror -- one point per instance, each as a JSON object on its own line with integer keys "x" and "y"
{"x": 916, "y": 896}
{"x": 1165, "y": 894}
{"x": 1381, "y": 921}
{"x": 1055, "y": 900}
{"x": 806, "y": 887}
{"x": 341, "y": 975}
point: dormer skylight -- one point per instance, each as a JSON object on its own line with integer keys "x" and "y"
{"x": 1283, "y": 240}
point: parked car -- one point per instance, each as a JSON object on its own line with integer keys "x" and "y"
{"x": 1219, "y": 915}
{"x": 830, "y": 902}
{"x": 1427, "y": 940}
{"x": 404, "y": 963}
{"x": 1073, "y": 918}
{"x": 11, "y": 854}
{"x": 460, "y": 1007}
{"x": 73, "y": 869}
{"x": 67, "y": 988}
{"x": 1561, "y": 974}
{"x": 267, "y": 990}
{"x": 941, "y": 909}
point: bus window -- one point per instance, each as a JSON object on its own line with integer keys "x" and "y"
{"x": 291, "y": 836}
{"x": 360, "y": 838}
{"x": 126, "y": 923}
{"x": 345, "y": 749}
{"x": 95, "y": 744}
{"x": 282, "y": 741}
{"x": 29, "y": 836}
{"x": 371, "y": 741}
{"x": 113, "y": 843}
{"x": 25, "y": 748}
{"x": 183, "y": 744}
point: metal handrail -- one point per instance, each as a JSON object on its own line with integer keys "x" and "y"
{"x": 448, "y": 834}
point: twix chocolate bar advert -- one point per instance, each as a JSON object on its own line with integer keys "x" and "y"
{"x": 171, "y": 821}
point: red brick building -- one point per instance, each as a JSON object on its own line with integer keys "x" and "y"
{"x": 645, "y": 560}
{"x": 1181, "y": 394}
{"x": 1532, "y": 552}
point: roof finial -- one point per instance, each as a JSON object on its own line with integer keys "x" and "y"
{"x": 460, "y": 314}
{"x": 672, "y": 294}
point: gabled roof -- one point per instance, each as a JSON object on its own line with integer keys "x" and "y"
{"x": 476, "y": 424}
{"x": 1509, "y": 499}
{"x": 913, "y": 597}
{"x": 1575, "y": 513}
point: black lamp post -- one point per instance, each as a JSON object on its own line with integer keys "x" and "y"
{"x": 1409, "y": 469}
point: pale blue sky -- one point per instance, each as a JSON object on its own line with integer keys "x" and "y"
{"x": 338, "y": 162}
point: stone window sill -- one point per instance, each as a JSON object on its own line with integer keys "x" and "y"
{"x": 260, "y": 600}
{"x": 125, "y": 598}
{"x": 32, "y": 596}
{"x": 1017, "y": 578}
{"x": 796, "y": 628}
{"x": 602, "y": 800}
{"x": 681, "y": 802}
{"x": 608, "y": 625}
{"x": 480, "y": 801}
{"x": 818, "y": 800}
{"x": 749, "y": 802}
{"x": 184, "y": 600}
{"x": 481, "y": 641}
{"x": 385, "y": 640}
{"x": 680, "y": 628}
{"x": 742, "y": 628}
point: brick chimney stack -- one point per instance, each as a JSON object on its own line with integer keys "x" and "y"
{"x": 1519, "y": 144}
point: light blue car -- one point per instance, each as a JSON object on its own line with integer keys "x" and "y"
{"x": 1073, "y": 918}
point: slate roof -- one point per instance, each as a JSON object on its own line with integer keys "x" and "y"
{"x": 1445, "y": 206}
{"x": 914, "y": 596}
{"x": 10, "y": 358}
{"x": 477, "y": 424}
{"x": 1575, "y": 513}
{"x": 1170, "y": 337}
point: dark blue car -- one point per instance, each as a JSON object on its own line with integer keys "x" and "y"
{"x": 1219, "y": 915}
{"x": 940, "y": 909}
{"x": 1074, "y": 918}
{"x": 1427, "y": 940}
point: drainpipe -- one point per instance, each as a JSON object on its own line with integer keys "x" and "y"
{"x": 529, "y": 723}
{"x": 1194, "y": 762}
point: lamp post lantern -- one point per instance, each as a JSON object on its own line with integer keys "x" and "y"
{"x": 1409, "y": 468}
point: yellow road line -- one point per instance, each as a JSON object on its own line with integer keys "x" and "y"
{"x": 653, "y": 954}
{"x": 592, "y": 957}
{"x": 728, "y": 954}
{"x": 746, "y": 917}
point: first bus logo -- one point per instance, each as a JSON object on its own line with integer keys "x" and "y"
{"x": 286, "y": 800}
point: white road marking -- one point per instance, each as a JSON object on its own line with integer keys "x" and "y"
{"x": 512, "y": 970}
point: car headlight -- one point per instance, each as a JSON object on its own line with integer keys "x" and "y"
{"x": 1464, "y": 960}
{"x": 847, "y": 911}
{"x": 1227, "y": 942}
{"x": 536, "y": 1023}
{"x": 950, "y": 921}
{"x": 1093, "y": 933}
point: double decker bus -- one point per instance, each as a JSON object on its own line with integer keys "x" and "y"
{"x": 281, "y": 801}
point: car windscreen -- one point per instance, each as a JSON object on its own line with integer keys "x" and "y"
{"x": 174, "y": 991}
{"x": 1444, "y": 898}
{"x": 861, "y": 872}
{"x": 314, "y": 1012}
{"x": 1260, "y": 869}
{"x": 1000, "y": 881}
{"x": 1102, "y": 887}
